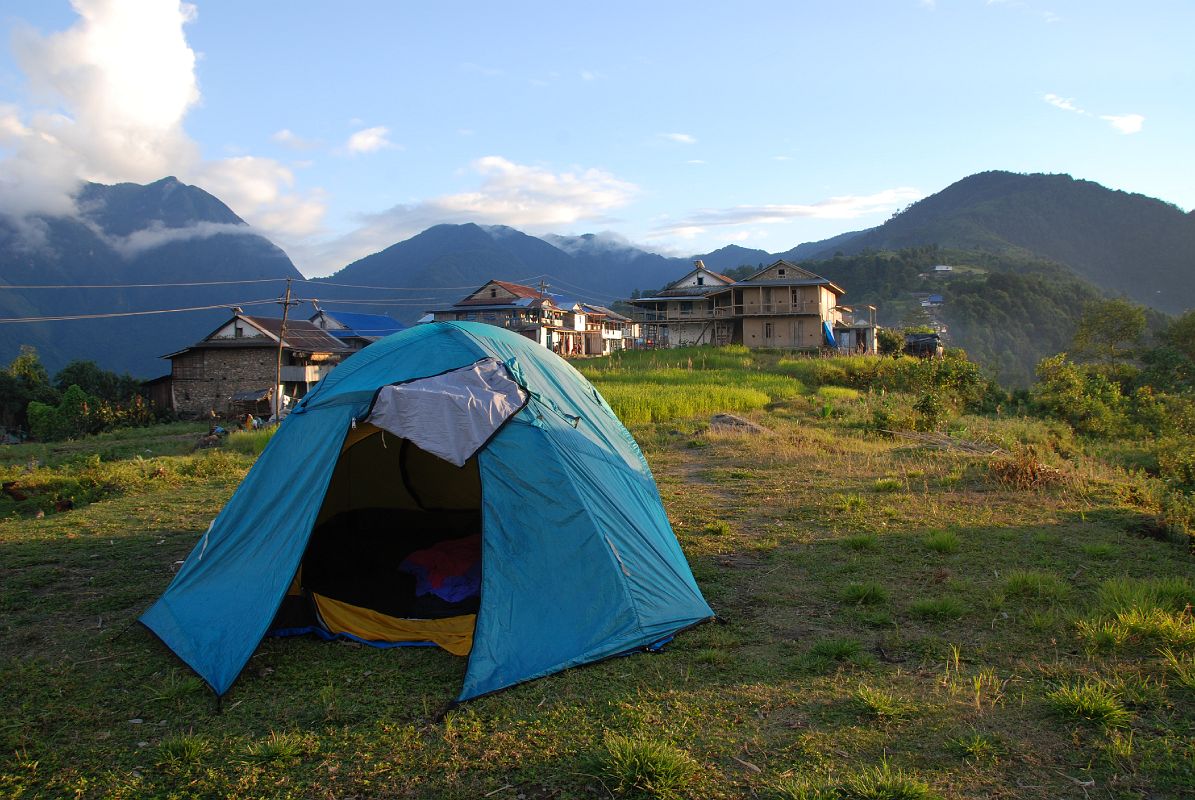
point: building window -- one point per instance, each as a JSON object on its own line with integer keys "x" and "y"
{"x": 768, "y": 330}
{"x": 493, "y": 292}
{"x": 701, "y": 280}
{"x": 189, "y": 366}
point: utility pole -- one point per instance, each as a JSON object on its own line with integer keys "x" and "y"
{"x": 286, "y": 304}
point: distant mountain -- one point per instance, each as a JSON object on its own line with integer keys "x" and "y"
{"x": 732, "y": 256}
{"x": 165, "y": 232}
{"x": 824, "y": 248}
{"x": 1122, "y": 242}
{"x": 446, "y": 260}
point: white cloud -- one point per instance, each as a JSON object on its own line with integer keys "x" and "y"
{"x": 679, "y": 138}
{"x": 289, "y": 138}
{"x": 369, "y": 140}
{"x": 1125, "y": 123}
{"x": 527, "y": 197}
{"x": 842, "y": 207}
{"x": 696, "y": 161}
{"x": 1065, "y": 103}
{"x": 114, "y": 88}
{"x": 259, "y": 189}
{"x": 112, "y": 92}
{"x": 782, "y": 158}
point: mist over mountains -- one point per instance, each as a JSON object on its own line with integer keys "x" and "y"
{"x": 168, "y": 232}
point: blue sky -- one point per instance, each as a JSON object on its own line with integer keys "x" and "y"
{"x": 340, "y": 128}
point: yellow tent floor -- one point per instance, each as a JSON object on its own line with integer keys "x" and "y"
{"x": 454, "y": 634}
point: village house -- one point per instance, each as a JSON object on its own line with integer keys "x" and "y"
{"x": 782, "y": 306}
{"x": 564, "y": 326}
{"x": 233, "y": 369}
{"x": 683, "y": 313}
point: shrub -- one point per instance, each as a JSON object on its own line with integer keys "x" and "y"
{"x": 1083, "y": 397}
{"x": 1022, "y": 469}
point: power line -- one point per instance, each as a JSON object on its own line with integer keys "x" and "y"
{"x": 390, "y": 288}
{"x": 110, "y": 315}
{"x": 406, "y": 301}
{"x": 138, "y": 285}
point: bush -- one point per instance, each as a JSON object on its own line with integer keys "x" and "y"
{"x": 79, "y": 414}
{"x": 1081, "y": 396}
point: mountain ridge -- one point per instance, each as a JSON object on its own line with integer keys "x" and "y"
{"x": 167, "y": 231}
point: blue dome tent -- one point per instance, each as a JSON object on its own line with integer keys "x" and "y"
{"x": 454, "y": 484}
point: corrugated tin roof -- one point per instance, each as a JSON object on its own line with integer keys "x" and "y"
{"x": 300, "y": 334}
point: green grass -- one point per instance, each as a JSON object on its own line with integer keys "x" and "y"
{"x": 944, "y": 542}
{"x": 938, "y": 609}
{"x": 864, "y": 594}
{"x": 645, "y": 767}
{"x": 883, "y": 704}
{"x": 955, "y": 637}
{"x": 1035, "y": 585}
{"x": 1090, "y": 701}
{"x": 275, "y": 747}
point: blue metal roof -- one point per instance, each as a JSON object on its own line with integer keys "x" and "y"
{"x": 364, "y": 324}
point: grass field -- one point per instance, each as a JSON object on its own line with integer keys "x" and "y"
{"x": 899, "y": 622}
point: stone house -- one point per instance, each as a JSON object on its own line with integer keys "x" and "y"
{"x": 233, "y": 369}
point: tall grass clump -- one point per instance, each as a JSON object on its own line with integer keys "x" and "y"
{"x": 869, "y": 593}
{"x": 1168, "y": 593}
{"x": 250, "y": 443}
{"x": 643, "y": 767}
{"x": 944, "y": 542}
{"x": 1035, "y": 585}
{"x": 650, "y": 402}
{"x": 1091, "y": 701}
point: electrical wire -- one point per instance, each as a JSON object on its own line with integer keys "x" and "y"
{"x": 139, "y": 285}
{"x": 110, "y": 315}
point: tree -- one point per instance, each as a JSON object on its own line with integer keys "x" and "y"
{"x": 1109, "y": 330}
{"x": 93, "y": 380}
{"x": 23, "y": 381}
{"x": 27, "y": 366}
{"x": 890, "y": 342}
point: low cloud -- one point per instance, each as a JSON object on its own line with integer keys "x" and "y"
{"x": 841, "y": 207}
{"x": 369, "y": 140}
{"x": 157, "y": 235}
